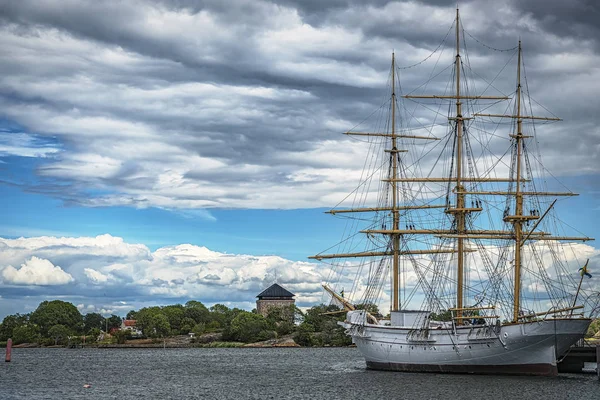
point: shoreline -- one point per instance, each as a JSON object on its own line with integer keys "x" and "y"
{"x": 192, "y": 346}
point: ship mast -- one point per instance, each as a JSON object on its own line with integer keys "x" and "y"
{"x": 518, "y": 221}
{"x": 395, "y": 215}
{"x": 460, "y": 197}
{"x": 518, "y": 218}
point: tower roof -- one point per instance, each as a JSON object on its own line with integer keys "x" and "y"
{"x": 275, "y": 291}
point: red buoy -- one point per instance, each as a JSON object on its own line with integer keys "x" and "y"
{"x": 8, "y": 350}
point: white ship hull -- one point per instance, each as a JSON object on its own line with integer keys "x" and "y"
{"x": 525, "y": 348}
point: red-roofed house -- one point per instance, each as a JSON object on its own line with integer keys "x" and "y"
{"x": 130, "y": 325}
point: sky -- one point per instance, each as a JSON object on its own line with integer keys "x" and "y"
{"x": 159, "y": 151}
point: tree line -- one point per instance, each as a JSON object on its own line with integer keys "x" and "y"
{"x": 56, "y": 322}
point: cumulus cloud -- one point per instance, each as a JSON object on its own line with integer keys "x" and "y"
{"x": 95, "y": 277}
{"x": 105, "y": 272}
{"x": 113, "y": 279}
{"x": 36, "y": 271}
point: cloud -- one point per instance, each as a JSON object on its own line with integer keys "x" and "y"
{"x": 25, "y": 145}
{"x": 36, "y": 271}
{"x": 104, "y": 274}
{"x": 105, "y": 271}
{"x": 95, "y": 276}
{"x": 242, "y": 105}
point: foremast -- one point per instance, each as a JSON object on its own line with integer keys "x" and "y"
{"x": 395, "y": 215}
{"x": 395, "y": 208}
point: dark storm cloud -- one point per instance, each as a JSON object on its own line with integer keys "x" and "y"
{"x": 578, "y": 18}
{"x": 157, "y": 103}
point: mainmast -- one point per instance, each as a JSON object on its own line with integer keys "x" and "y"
{"x": 460, "y": 197}
{"x": 518, "y": 220}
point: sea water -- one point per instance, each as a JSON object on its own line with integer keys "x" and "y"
{"x": 248, "y": 373}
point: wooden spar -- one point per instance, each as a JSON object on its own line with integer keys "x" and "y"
{"x": 333, "y": 312}
{"x": 473, "y": 308}
{"x": 517, "y": 223}
{"x": 445, "y": 180}
{"x": 411, "y": 96}
{"x": 347, "y": 305}
{"x": 550, "y": 312}
{"x": 497, "y": 193}
{"x": 522, "y": 117}
{"x": 463, "y": 210}
{"x": 538, "y": 222}
{"x": 511, "y": 218}
{"x": 391, "y": 135}
{"x": 511, "y": 237}
{"x": 384, "y": 253}
{"x": 373, "y": 209}
{"x": 442, "y": 232}
{"x": 580, "y": 282}
{"x": 395, "y": 212}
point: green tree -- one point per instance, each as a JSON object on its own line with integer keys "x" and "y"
{"x": 282, "y": 319}
{"x": 187, "y": 325}
{"x": 114, "y": 322}
{"x": 370, "y": 307}
{"x": 93, "y": 334}
{"x": 444, "y": 315}
{"x": 120, "y": 336}
{"x": 219, "y": 313}
{"x": 162, "y": 327}
{"x": 59, "y": 333}
{"x": 26, "y": 334}
{"x": 304, "y": 335}
{"x": 213, "y": 326}
{"x": 132, "y": 314}
{"x": 196, "y": 311}
{"x": 92, "y": 321}
{"x": 56, "y": 312}
{"x": 153, "y": 322}
{"x": 247, "y": 327}
{"x": 594, "y": 328}
{"x": 10, "y": 322}
{"x": 175, "y": 315}
{"x": 285, "y": 328}
{"x": 199, "y": 329}
{"x": 320, "y": 328}
{"x": 316, "y": 316}
{"x": 145, "y": 320}
{"x": 280, "y": 314}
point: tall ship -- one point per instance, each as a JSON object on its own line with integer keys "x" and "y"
{"x": 453, "y": 229}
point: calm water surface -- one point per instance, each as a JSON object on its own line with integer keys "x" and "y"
{"x": 254, "y": 374}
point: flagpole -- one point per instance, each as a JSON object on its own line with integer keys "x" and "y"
{"x": 583, "y": 271}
